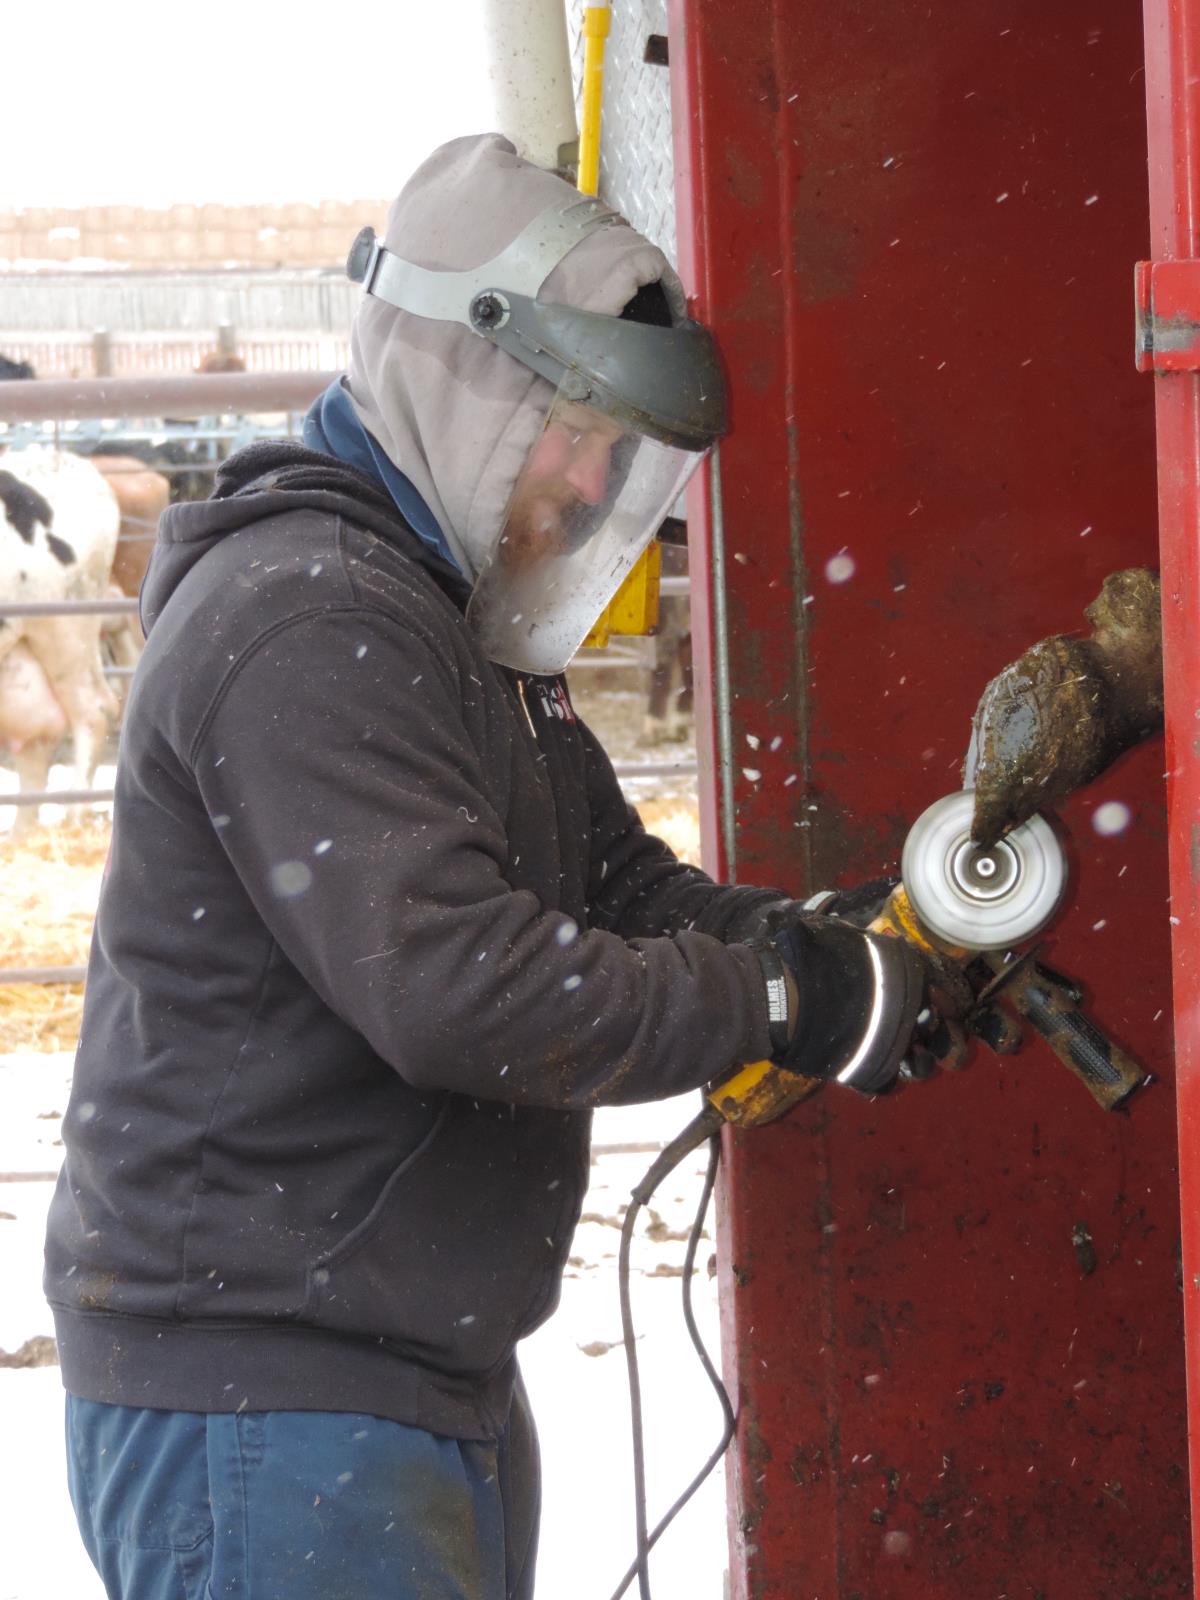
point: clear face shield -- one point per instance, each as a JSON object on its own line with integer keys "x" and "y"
{"x": 635, "y": 409}
{"x": 589, "y": 499}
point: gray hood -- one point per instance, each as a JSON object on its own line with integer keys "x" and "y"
{"x": 456, "y": 415}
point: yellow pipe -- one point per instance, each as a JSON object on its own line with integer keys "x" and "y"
{"x": 596, "y": 23}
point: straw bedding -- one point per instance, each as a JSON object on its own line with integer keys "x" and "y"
{"x": 49, "y": 883}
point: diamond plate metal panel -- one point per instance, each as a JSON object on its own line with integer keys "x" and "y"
{"x": 636, "y": 167}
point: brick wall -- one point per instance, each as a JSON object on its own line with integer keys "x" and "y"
{"x": 297, "y": 235}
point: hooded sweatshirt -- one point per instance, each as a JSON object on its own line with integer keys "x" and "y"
{"x": 377, "y": 931}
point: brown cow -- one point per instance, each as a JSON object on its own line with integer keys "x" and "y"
{"x": 215, "y": 361}
{"x": 142, "y": 495}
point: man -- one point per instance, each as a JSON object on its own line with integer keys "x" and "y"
{"x": 379, "y": 929}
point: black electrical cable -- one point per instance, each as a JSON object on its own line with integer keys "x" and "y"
{"x": 705, "y": 1126}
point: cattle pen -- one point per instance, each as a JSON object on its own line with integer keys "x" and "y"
{"x": 211, "y": 414}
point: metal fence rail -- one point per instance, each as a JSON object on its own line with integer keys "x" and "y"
{"x": 78, "y": 608}
{"x": 126, "y": 355}
{"x": 194, "y": 395}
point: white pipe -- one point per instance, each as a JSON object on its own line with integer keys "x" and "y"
{"x": 529, "y": 66}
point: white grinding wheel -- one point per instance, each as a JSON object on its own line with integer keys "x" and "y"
{"x": 981, "y": 899}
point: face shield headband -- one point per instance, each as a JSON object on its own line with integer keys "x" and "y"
{"x": 665, "y": 383}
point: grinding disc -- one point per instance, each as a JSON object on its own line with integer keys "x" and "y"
{"x": 981, "y": 899}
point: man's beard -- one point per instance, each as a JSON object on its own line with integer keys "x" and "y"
{"x": 543, "y": 528}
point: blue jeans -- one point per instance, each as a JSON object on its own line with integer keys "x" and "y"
{"x": 301, "y": 1505}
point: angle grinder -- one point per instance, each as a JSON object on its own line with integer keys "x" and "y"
{"x": 969, "y": 909}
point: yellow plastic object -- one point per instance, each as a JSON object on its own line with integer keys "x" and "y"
{"x": 596, "y": 23}
{"x": 634, "y": 607}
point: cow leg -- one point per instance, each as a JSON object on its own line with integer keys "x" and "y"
{"x": 32, "y": 763}
{"x": 69, "y": 653}
{"x": 669, "y": 702}
{"x": 90, "y": 709}
{"x": 124, "y": 642}
{"x": 14, "y": 744}
{"x": 654, "y": 727}
{"x": 679, "y": 719}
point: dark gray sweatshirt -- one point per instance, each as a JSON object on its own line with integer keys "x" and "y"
{"x": 378, "y": 930}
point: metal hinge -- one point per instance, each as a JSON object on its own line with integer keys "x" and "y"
{"x": 1166, "y": 298}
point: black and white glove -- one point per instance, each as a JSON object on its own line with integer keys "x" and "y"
{"x": 843, "y": 1003}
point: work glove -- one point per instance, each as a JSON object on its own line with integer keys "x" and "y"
{"x": 843, "y": 1003}
{"x": 940, "y": 1039}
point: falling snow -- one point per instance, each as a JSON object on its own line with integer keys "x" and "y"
{"x": 841, "y": 567}
{"x": 290, "y": 878}
{"x": 1111, "y": 818}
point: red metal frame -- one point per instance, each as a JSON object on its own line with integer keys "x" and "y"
{"x": 1166, "y": 297}
{"x": 952, "y": 1318}
{"x": 1173, "y": 122}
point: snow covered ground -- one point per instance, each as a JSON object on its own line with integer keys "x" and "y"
{"x": 574, "y": 1368}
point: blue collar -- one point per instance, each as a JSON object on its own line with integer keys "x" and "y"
{"x": 332, "y": 426}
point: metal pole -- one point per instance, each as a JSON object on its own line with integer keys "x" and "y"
{"x": 1173, "y": 125}
{"x": 102, "y": 353}
{"x": 42, "y": 974}
{"x": 66, "y": 608}
{"x": 182, "y": 397}
{"x": 529, "y": 64}
{"x": 58, "y": 797}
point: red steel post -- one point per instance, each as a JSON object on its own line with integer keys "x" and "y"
{"x": 1173, "y": 124}
{"x": 952, "y": 1317}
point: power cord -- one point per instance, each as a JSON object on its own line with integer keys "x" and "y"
{"x": 705, "y": 1126}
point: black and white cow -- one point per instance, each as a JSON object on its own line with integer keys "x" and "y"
{"x": 11, "y": 371}
{"x": 58, "y": 532}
